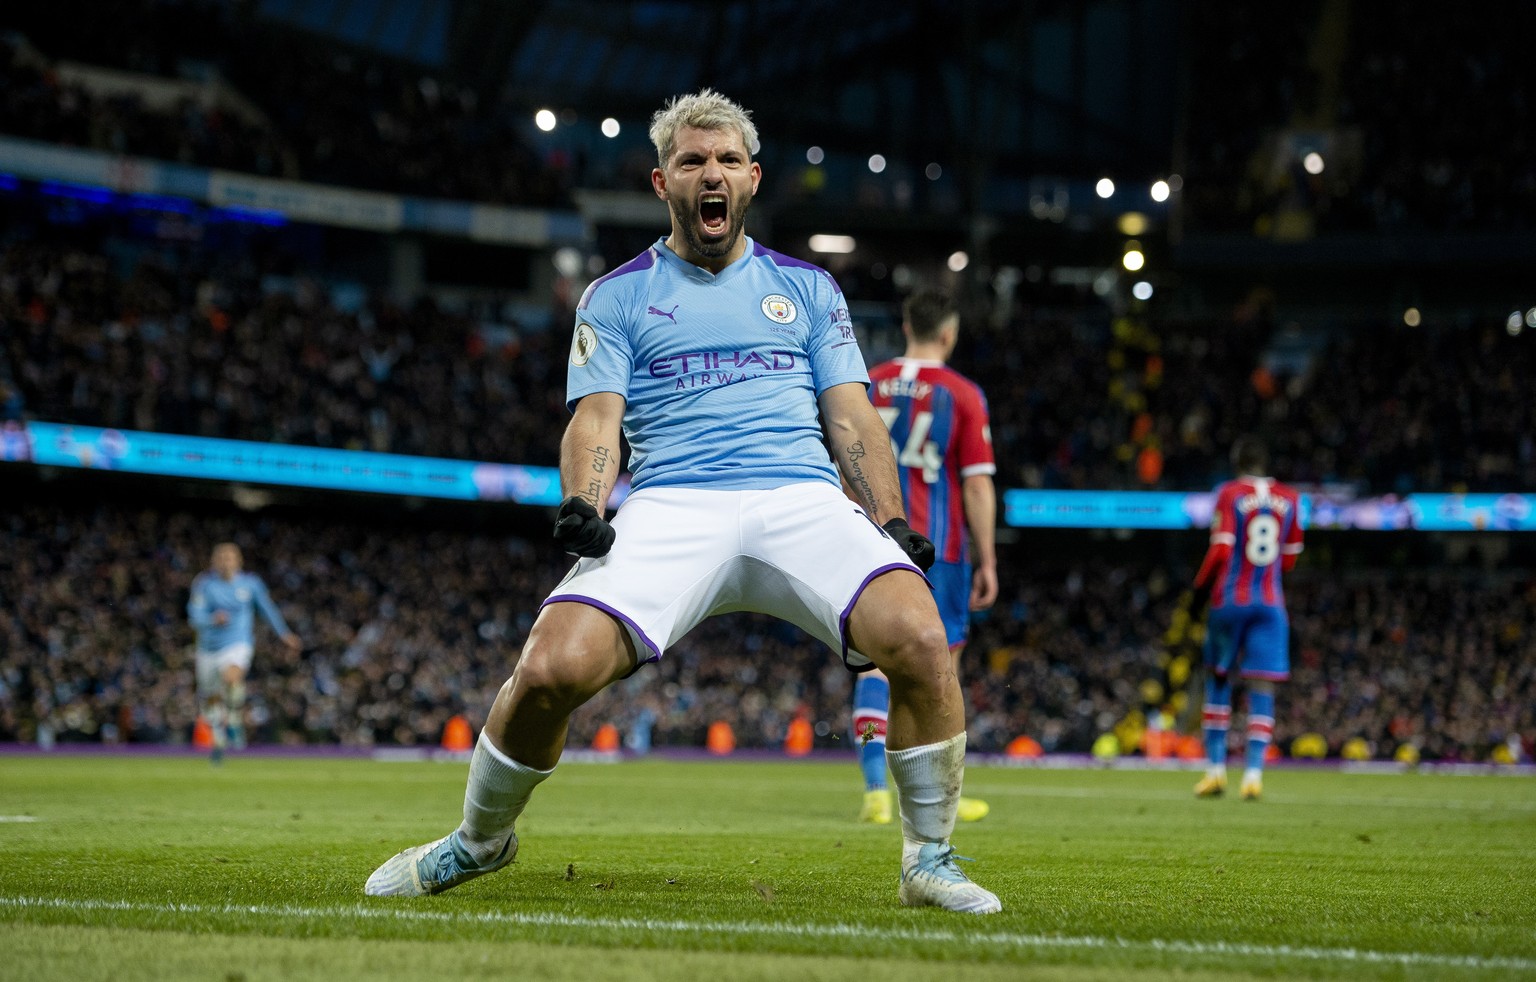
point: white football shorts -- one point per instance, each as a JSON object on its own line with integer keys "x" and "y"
{"x": 210, "y": 665}
{"x": 802, "y": 552}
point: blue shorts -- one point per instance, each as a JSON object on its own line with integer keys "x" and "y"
{"x": 1253, "y": 642}
{"x": 952, "y": 592}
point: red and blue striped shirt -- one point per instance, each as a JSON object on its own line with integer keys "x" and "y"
{"x": 1255, "y": 535}
{"x": 941, "y": 435}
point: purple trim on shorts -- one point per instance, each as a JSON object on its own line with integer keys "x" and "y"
{"x": 842, "y": 621}
{"x": 576, "y": 598}
{"x": 1266, "y": 676}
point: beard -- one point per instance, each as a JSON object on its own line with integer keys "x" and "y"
{"x": 686, "y": 217}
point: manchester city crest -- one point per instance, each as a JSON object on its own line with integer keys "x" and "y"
{"x": 779, "y": 308}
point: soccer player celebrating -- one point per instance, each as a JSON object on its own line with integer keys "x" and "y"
{"x": 1255, "y": 536}
{"x": 943, "y": 446}
{"x": 220, "y": 610}
{"x": 721, "y": 361}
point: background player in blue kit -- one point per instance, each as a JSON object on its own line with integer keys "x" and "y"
{"x": 942, "y": 440}
{"x": 1256, "y": 535}
{"x": 221, "y": 609}
{"x": 721, "y": 361}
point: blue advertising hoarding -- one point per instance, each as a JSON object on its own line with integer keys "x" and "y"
{"x": 94, "y": 448}
{"x": 1192, "y": 509}
{"x": 62, "y": 445}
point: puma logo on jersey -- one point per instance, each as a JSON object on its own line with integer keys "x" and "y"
{"x": 668, "y": 314}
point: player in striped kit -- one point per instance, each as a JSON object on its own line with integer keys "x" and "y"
{"x": 1255, "y": 536}
{"x": 943, "y": 446}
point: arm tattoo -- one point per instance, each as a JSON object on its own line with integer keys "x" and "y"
{"x": 855, "y": 452}
{"x": 593, "y": 492}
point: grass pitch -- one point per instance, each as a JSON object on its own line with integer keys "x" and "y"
{"x": 153, "y": 868}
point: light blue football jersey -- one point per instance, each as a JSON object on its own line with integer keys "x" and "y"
{"x": 720, "y": 372}
{"x": 236, "y": 597}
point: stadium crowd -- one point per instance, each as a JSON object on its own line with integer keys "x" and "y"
{"x": 1078, "y": 400}
{"x": 405, "y": 628}
{"x": 184, "y": 351}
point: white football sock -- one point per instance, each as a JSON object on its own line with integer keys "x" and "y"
{"x": 928, "y": 780}
{"x": 216, "y": 717}
{"x": 498, "y": 790}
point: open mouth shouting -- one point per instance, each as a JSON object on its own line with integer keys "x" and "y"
{"x": 714, "y": 214}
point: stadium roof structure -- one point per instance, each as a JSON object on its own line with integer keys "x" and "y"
{"x": 1027, "y": 86}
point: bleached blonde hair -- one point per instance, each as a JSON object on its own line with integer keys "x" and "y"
{"x": 702, "y": 110}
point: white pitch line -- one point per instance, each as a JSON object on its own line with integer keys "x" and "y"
{"x": 790, "y": 930}
{"x": 983, "y": 787}
{"x": 1279, "y": 798}
{"x": 18, "y": 818}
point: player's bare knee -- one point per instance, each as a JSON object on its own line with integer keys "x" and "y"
{"x": 916, "y": 650}
{"x": 561, "y": 669}
{"x": 552, "y": 676}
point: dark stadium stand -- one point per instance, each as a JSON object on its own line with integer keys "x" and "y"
{"x": 36, "y": 103}
{"x": 1385, "y": 101}
{"x": 330, "y": 118}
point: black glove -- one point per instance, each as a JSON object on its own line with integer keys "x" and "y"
{"x": 580, "y": 530}
{"x": 917, "y": 546}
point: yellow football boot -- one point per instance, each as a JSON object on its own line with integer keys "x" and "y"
{"x": 1211, "y": 786}
{"x": 877, "y": 808}
{"x": 972, "y": 810}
